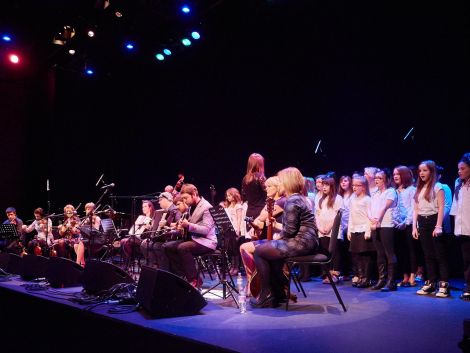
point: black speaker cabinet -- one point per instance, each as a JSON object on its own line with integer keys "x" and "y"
{"x": 11, "y": 263}
{"x": 34, "y": 267}
{"x": 100, "y": 276}
{"x": 163, "y": 294}
{"x": 63, "y": 272}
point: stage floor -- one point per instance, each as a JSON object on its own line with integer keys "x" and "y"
{"x": 399, "y": 321}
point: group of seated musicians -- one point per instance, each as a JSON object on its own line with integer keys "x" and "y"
{"x": 171, "y": 237}
{"x": 183, "y": 228}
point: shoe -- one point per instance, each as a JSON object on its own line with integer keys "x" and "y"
{"x": 465, "y": 295}
{"x": 389, "y": 287}
{"x": 443, "y": 291}
{"x": 364, "y": 283}
{"x": 428, "y": 288}
{"x": 325, "y": 280}
{"x": 355, "y": 280}
{"x": 268, "y": 302}
{"x": 404, "y": 284}
{"x": 379, "y": 285}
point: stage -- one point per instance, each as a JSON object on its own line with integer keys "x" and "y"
{"x": 46, "y": 321}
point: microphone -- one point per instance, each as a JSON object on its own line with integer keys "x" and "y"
{"x": 99, "y": 180}
{"x": 109, "y": 186}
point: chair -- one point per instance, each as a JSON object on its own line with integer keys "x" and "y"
{"x": 317, "y": 259}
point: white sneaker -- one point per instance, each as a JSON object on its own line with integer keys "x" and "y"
{"x": 428, "y": 288}
{"x": 443, "y": 291}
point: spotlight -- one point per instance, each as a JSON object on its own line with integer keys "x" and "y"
{"x": 6, "y": 38}
{"x": 129, "y": 46}
{"x": 185, "y": 9}
{"x": 91, "y": 33}
{"x": 118, "y": 14}
{"x": 167, "y": 52}
{"x": 65, "y": 35}
{"x": 159, "y": 57}
{"x": 14, "y": 59}
{"x": 72, "y": 51}
{"x": 89, "y": 71}
{"x": 186, "y": 42}
{"x": 195, "y": 35}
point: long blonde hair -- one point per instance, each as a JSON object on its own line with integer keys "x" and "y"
{"x": 292, "y": 180}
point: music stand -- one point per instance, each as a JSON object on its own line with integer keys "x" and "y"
{"x": 8, "y": 231}
{"x": 110, "y": 234}
{"x": 225, "y": 229}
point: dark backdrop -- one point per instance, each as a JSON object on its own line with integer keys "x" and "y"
{"x": 273, "y": 77}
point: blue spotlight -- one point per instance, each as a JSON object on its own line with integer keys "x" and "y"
{"x": 129, "y": 46}
{"x": 160, "y": 57}
{"x": 167, "y": 52}
{"x": 89, "y": 72}
{"x": 185, "y": 9}
{"x": 195, "y": 35}
{"x": 186, "y": 42}
{"x": 6, "y": 38}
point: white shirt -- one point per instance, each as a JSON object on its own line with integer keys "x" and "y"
{"x": 378, "y": 203}
{"x": 359, "y": 208}
{"x": 426, "y": 208}
{"x": 325, "y": 216}
{"x": 461, "y": 210}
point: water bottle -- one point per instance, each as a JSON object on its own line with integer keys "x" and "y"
{"x": 239, "y": 282}
{"x": 242, "y": 301}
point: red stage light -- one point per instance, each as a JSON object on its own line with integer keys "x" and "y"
{"x": 15, "y": 59}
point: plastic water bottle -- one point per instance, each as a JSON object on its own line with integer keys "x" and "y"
{"x": 239, "y": 282}
{"x": 242, "y": 301}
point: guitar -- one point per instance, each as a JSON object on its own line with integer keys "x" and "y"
{"x": 270, "y": 209}
{"x": 255, "y": 284}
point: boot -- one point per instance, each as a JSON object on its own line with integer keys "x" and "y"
{"x": 363, "y": 267}
{"x": 391, "y": 285}
{"x": 381, "y": 282}
{"x": 359, "y": 273}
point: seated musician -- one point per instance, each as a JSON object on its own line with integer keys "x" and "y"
{"x": 298, "y": 237}
{"x": 152, "y": 247}
{"x": 273, "y": 191}
{"x": 13, "y": 245}
{"x": 202, "y": 240}
{"x": 90, "y": 221}
{"x": 68, "y": 232}
{"x": 42, "y": 226}
{"x": 143, "y": 225}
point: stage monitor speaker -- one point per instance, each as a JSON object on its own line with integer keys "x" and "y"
{"x": 63, "y": 272}
{"x": 163, "y": 294}
{"x": 34, "y": 267}
{"x": 100, "y": 276}
{"x": 11, "y": 263}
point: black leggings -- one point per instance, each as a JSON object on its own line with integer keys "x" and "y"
{"x": 465, "y": 244}
{"x": 434, "y": 248}
{"x": 384, "y": 243}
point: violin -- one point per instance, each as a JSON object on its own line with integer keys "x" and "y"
{"x": 37, "y": 250}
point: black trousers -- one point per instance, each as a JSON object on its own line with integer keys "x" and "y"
{"x": 384, "y": 242}
{"x": 465, "y": 245}
{"x": 434, "y": 248}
